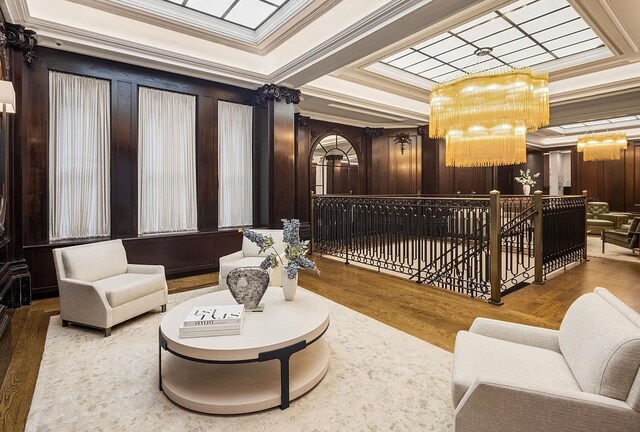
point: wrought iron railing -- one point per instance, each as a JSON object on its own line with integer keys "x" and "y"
{"x": 450, "y": 242}
{"x": 564, "y": 231}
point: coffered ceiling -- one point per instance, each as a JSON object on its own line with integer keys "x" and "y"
{"x": 366, "y": 62}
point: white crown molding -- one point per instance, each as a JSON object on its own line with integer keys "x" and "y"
{"x": 392, "y": 9}
{"x": 98, "y": 45}
{"x": 379, "y": 82}
{"x": 609, "y": 9}
{"x": 363, "y": 104}
{"x": 567, "y": 140}
{"x": 357, "y": 123}
{"x": 287, "y": 21}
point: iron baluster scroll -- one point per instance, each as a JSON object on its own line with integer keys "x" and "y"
{"x": 446, "y": 241}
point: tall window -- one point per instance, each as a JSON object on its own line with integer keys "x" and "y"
{"x": 166, "y": 162}
{"x": 79, "y": 137}
{"x": 235, "y": 137}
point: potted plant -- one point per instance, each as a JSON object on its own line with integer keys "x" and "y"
{"x": 294, "y": 255}
{"x": 527, "y": 180}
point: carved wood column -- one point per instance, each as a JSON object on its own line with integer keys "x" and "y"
{"x": 274, "y": 155}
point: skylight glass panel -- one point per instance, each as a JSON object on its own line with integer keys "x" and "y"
{"x": 443, "y": 46}
{"x": 475, "y": 22}
{"x": 515, "y": 5}
{"x": 596, "y": 122}
{"x": 397, "y": 55}
{"x": 458, "y": 53}
{"x": 532, "y": 61}
{"x": 535, "y": 10}
{"x": 499, "y": 38}
{"x": 559, "y": 31}
{"x": 624, "y": 119}
{"x": 440, "y": 70}
{"x": 246, "y": 13}
{"x": 450, "y": 76}
{"x": 216, "y": 8}
{"x": 571, "y": 39}
{"x": 424, "y": 66}
{"x": 523, "y": 34}
{"x": 516, "y": 45}
{"x": 250, "y": 13}
{"x": 578, "y": 48}
{"x": 432, "y": 40}
{"x": 522, "y": 54}
{"x": 550, "y": 20}
{"x": 408, "y": 60}
{"x": 483, "y": 30}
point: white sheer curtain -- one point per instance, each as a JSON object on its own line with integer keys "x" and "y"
{"x": 166, "y": 162}
{"x": 79, "y": 141}
{"x": 235, "y": 138}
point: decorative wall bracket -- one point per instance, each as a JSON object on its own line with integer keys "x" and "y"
{"x": 276, "y": 93}
{"x": 18, "y": 37}
{"x": 403, "y": 140}
{"x": 373, "y": 132}
{"x": 302, "y": 120}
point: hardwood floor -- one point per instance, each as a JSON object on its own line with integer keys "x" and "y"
{"x": 431, "y": 314}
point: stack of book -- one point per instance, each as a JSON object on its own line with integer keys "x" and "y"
{"x": 205, "y": 321}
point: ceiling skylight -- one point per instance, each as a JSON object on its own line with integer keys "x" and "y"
{"x": 246, "y": 13}
{"x": 600, "y": 124}
{"x": 522, "y": 34}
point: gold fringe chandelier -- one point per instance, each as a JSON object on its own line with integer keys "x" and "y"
{"x": 485, "y": 116}
{"x": 601, "y": 147}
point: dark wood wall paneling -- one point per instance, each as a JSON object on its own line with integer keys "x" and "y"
{"x": 394, "y": 172}
{"x": 615, "y": 182}
{"x": 181, "y": 254}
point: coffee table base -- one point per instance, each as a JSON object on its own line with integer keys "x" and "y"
{"x": 241, "y": 388}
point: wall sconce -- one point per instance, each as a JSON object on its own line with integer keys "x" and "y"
{"x": 403, "y": 139}
{"x": 7, "y": 97}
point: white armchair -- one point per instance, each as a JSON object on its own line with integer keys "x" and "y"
{"x": 584, "y": 377}
{"x": 99, "y": 288}
{"x": 250, "y": 256}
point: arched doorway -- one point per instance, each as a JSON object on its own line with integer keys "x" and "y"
{"x": 334, "y": 167}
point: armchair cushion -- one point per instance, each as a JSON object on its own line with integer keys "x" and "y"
{"x": 95, "y": 261}
{"x": 127, "y": 287}
{"x": 482, "y": 357}
{"x": 600, "y": 340}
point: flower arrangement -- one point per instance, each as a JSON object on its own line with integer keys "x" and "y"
{"x": 295, "y": 251}
{"x": 526, "y": 178}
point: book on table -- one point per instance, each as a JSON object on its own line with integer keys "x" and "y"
{"x": 205, "y": 321}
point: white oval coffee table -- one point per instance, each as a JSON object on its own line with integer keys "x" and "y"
{"x": 279, "y": 355}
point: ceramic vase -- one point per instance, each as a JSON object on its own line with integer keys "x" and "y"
{"x": 248, "y": 285}
{"x": 289, "y": 286}
{"x": 526, "y": 189}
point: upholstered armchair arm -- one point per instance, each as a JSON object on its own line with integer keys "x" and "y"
{"x": 518, "y": 333}
{"x": 145, "y": 269}
{"x": 230, "y": 258}
{"x": 615, "y": 218}
{"x": 81, "y": 302}
{"x": 510, "y": 405}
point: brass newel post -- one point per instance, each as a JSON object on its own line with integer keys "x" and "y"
{"x": 537, "y": 237}
{"x": 495, "y": 247}
{"x": 312, "y": 221}
{"x": 586, "y": 210}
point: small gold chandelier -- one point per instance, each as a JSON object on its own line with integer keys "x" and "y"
{"x": 485, "y": 116}
{"x": 601, "y": 147}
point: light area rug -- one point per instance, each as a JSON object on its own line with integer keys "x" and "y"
{"x": 379, "y": 379}
{"x": 594, "y": 250}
